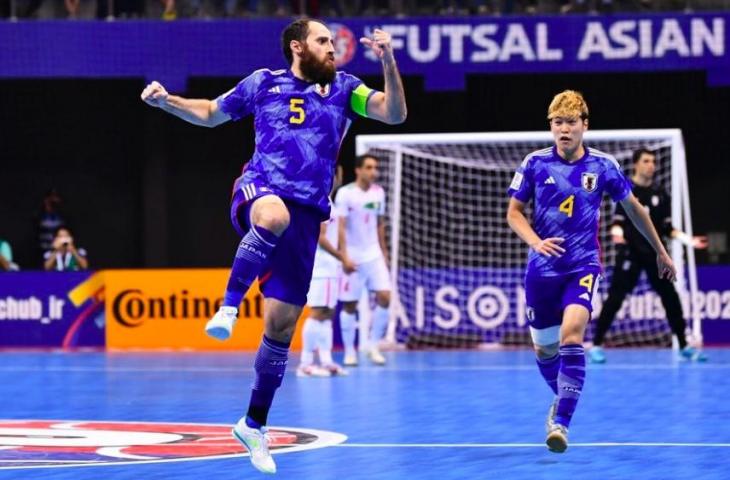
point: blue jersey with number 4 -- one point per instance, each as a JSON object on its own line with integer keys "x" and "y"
{"x": 566, "y": 203}
{"x": 299, "y": 128}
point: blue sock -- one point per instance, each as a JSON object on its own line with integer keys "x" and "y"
{"x": 570, "y": 381}
{"x": 549, "y": 368}
{"x": 270, "y": 365}
{"x": 251, "y": 256}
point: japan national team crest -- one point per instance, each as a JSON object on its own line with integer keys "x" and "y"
{"x": 589, "y": 181}
{"x": 61, "y": 443}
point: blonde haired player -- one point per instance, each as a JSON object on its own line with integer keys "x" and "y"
{"x": 566, "y": 183}
{"x": 361, "y": 205}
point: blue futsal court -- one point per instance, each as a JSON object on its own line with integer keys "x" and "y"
{"x": 427, "y": 415}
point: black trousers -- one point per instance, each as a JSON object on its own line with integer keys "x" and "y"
{"x": 629, "y": 266}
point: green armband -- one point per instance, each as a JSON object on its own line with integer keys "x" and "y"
{"x": 359, "y": 99}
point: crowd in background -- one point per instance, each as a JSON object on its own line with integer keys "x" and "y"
{"x": 205, "y": 9}
{"x": 56, "y": 248}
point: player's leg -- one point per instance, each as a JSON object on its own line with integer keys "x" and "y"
{"x": 379, "y": 281}
{"x": 379, "y": 326}
{"x": 625, "y": 276}
{"x": 350, "y": 292}
{"x": 324, "y": 338}
{"x": 544, "y": 315}
{"x": 577, "y": 308}
{"x": 673, "y": 307}
{"x": 311, "y": 332}
{"x": 285, "y": 290}
{"x": 269, "y": 367}
{"x": 261, "y": 222}
{"x": 318, "y": 299}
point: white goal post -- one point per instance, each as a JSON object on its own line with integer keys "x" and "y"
{"x": 456, "y": 266}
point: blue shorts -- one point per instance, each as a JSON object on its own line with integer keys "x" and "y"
{"x": 288, "y": 270}
{"x": 547, "y": 297}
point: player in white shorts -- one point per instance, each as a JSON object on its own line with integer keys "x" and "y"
{"x": 361, "y": 206}
{"x": 322, "y": 300}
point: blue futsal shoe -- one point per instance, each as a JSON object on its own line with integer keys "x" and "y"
{"x": 692, "y": 354}
{"x": 596, "y": 355}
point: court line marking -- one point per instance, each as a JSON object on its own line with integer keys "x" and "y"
{"x": 531, "y": 445}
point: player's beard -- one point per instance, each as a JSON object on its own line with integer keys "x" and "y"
{"x": 318, "y": 71}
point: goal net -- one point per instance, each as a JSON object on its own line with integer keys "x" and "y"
{"x": 457, "y": 265}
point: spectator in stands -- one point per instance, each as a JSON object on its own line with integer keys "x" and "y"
{"x": 20, "y": 8}
{"x": 72, "y": 7}
{"x": 6, "y": 257}
{"x": 122, "y": 9}
{"x": 65, "y": 256}
{"x": 50, "y": 220}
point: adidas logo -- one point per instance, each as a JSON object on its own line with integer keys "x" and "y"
{"x": 550, "y": 180}
{"x": 275, "y": 89}
{"x": 586, "y": 297}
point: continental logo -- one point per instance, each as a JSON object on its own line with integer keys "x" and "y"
{"x": 132, "y": 307}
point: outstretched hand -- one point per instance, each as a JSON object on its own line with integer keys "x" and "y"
{"x": 380, "y": 43}
{"x": 154, "y": 94}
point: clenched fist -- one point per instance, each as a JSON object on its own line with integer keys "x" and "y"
{"x": 154, "y": 94}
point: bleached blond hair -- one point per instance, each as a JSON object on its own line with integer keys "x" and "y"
{"x": 568, "y": 103}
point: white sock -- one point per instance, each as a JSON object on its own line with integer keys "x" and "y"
{"x": 348, "y": 325}
{"x": 309, "y": 341}
{"x": 380, "y": 325}
{"x": 325, "y": 342}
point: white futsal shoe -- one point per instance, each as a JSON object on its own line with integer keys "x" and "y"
{"x": 254, "y": 440}
{"x": 220, "y": 326}
{"x": 313, "y": 371}
{"x": 550, "y": 420}
{"x": 350, "y": 360}
{"x": 557, "y": 438}
{"x": 376, "y": 357}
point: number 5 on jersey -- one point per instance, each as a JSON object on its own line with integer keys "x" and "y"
{"x": 295, "y": 107}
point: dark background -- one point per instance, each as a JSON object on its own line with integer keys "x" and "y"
{"x": 144, "y": 189}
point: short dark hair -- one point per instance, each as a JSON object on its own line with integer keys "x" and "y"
{"x": 57, "y": 230}
{"x": 639, "y": 152}
{"x": 360, "y": 159}
{"x": 296, "y": 30}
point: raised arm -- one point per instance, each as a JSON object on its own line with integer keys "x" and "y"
{"x": 642, "y": 221}
{"x": 204, "y": 113}
{"x": 388, "y": 106}
{"x": 550, "y": 247}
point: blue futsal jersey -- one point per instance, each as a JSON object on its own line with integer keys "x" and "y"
{"x": 299, "y": 129}
{"x": 566, "y": 202}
